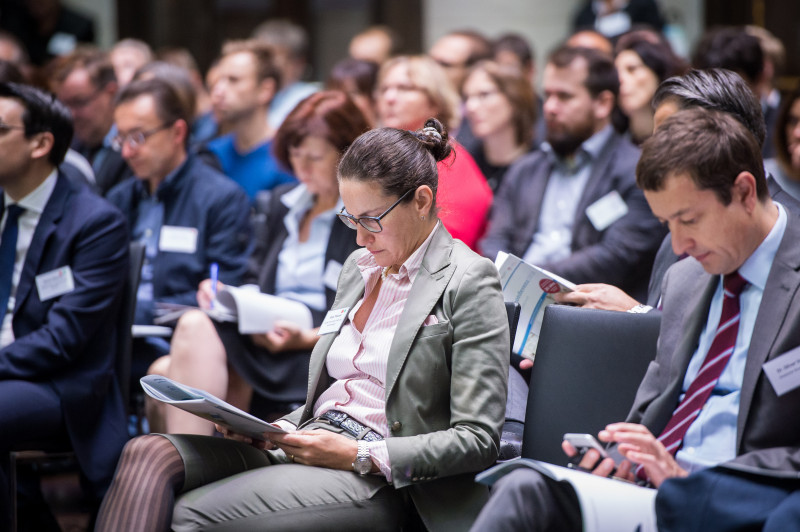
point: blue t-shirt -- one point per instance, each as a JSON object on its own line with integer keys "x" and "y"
{"x": 255, "y": 170}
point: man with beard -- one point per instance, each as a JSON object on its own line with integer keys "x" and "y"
{"x": 572, "y": 207}
{"x": 247, "y": 80}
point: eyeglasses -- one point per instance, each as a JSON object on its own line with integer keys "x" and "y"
{"x": 137, "y": 139}
{"x": 370, "y": 223}
{"x": 4, "y": 128}
{"x": 80, "y": 103}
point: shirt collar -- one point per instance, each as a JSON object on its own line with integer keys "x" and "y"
{"x": 37, "y": 199}
{"x": 758, "y": 265}
{"x": 409, "y": 268}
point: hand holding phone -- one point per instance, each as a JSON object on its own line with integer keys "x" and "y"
{"x": 584, "y": 442}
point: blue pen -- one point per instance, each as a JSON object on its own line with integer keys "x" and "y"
{"x": 214, "y": 279}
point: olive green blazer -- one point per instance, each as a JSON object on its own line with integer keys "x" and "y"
{"x": 445, "y": 383}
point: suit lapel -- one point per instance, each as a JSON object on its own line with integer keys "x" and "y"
{"x": 782, "y": 286}
{"x": 47, "y": 225}
{"x": 351, "y": 289}
{"x": 532, "y": 195}
{"x": 599, "y": 180}
{"x": 429, "y": 284}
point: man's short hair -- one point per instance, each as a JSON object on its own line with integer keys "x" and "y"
{"x": 263, "y": 54}
{"x": 711, "y": 147}
{"x": 731, "y": 48}
{"x": 715, "y": 89}
{"x": 480, "y": 47}
{"x": 96, "y": 63}
{"x": 169, "y": 106}
{"x": 282, "y": 33}
{"x": 517, "y": 45}
{"x": 601, "y": 76}
{"x": 43, "y": 113}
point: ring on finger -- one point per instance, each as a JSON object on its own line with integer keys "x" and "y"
{"x": 291, "y": 457}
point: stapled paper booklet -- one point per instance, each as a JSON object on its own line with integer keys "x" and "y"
{"x": 206, "y": 406}
{"x": 533, "y": 288}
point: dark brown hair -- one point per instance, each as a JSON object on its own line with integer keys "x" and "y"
{"x": 601, "y": 72}
{"x": 713, "y": 148}
{"x": 169, "y": 106}
{"x": 331, "y": 115}
{"x": 398, "y": 160}
{"x": 263, "y": 54}
{"x": 96, "y": 63}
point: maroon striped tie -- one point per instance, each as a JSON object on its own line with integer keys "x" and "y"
{"x": 717, "y": 358}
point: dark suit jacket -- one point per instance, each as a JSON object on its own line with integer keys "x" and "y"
{"x": 218, "y": 208}
{"x": 263, "y": 263}
{"x": 445, "y": 383}
{"x": 113, "y": 169}
{"x": 69, "y": 341}
{"x": 621, "y": 255}
{"x": 767, "y": 435}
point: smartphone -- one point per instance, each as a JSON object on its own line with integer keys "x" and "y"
{"x": 584, "y": 442}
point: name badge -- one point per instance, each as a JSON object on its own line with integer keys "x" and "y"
{"x": 177, "y": 239}
{"x": 331, "y": 276}
{"x": 55, "y": 283}
{"x": 783, "y": 372}
{"x": 607, "y": 210}
{"x": 333, "y": 321}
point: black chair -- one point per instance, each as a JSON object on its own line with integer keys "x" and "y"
{"x": 511, "y": 437}
{"x": 57, "y": 455}
{"x": 588, "y": 366}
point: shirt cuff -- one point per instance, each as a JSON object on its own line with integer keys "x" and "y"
{"x": 285, "y": 425}
{"x": 380, "y": 456}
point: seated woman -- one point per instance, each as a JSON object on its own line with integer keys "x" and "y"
{"x": 785, "y": 167}
{"x": 643, "y": 59}
{"x": 412, "y": 88}
{"x": 299, "y": 251}
{"x": 405, "y": 400}
{"x": 501, "y": 107}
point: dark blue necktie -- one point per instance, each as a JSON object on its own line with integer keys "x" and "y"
{"x": 8, "y": 252}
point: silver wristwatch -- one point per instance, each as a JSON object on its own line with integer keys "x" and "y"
{"x": 363, "y": 463}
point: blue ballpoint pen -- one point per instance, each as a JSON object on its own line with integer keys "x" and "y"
{"x": 214, "y": 279}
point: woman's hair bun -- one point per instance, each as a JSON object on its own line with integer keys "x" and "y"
{"x": 434, "y": 137}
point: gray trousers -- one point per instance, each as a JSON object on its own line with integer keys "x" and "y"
{"x": 233, "y": 486}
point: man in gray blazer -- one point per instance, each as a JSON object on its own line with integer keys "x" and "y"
{"x": 703, "y": 175}
{"x": 572, "y": 206}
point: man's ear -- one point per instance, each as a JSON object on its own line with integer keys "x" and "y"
{"x": 266, "y": 90}
{"x": 744, "y": 190}
{"x": 41, "y": 144}
{"x": 603, "y": 105}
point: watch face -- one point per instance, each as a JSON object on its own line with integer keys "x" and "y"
{"x": 362, "y": 465}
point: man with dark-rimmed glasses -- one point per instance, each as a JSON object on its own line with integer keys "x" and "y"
{"x": 85, "y": 82}
{"x": 188, "y": 215}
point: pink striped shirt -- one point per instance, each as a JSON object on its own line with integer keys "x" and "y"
{"x": 360, "y": 386}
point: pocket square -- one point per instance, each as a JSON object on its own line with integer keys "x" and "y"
{"x": 430, "y": 320}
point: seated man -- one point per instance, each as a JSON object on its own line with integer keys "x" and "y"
{"x": 572, "y": 207}
{"x": 730, "y": 313}
{"x": 187, "y": 214}
{"x": 63, "y": 266}
{"x": 715, "y": 89}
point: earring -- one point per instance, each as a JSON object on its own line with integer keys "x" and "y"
{"x": 422, "y": 218}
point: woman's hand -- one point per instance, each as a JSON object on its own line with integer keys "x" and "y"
{"x": 231, "y": 435}
{"x": 205, "y": 295}
{"x": 321, "y": 448}
{"x": 637, "y": 444}
{"x": 286, "y": 336}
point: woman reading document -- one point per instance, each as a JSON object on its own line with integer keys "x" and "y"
{"x": 406, "y": 392}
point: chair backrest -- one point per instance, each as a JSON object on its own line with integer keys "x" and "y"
{"x": 512, "y": 310}
{"x": 125, "y": 320}
{"x": 588, "y": 366}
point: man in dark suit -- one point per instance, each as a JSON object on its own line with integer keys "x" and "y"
{"x": 86, "y": 83}
{"x": 714, "y": 396}
{"x": 187, "y": 214}
{"x": 572, "y": 207}
{"x": 63, "y": 266}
